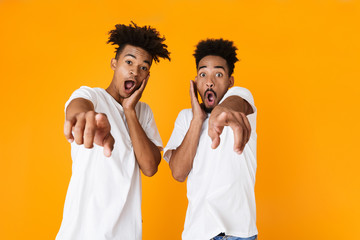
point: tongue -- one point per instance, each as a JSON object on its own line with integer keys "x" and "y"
{"x": 211, "y": 97}
{"x": 129, "y": 84}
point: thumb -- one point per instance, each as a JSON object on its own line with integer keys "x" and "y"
{"x": 215, "y": 137}
{"x": 215, "y": 143}
{"x": 108, "y": 145}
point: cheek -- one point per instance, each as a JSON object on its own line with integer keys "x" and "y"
{"x": 224, "y": 85}
{"x": 144, "y": 74}
{"x": 222, "y": 90}
{"x": 200, "y": 83}
{"x": 201, "y": 92}
{"x": 122, "y": 71}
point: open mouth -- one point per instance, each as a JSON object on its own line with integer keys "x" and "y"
{"x": 210, "y": 97}
{"x": 129, "y": 85}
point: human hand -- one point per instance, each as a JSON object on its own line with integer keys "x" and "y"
{"x": 88, "y": 128}
{"x": 197, "y": 109}
{"x": 130, "y": 102}
{"x": 221, "y": 117}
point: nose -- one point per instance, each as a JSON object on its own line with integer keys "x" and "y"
{"x": 134, "y": 72}
{"x": 209, "y": 83}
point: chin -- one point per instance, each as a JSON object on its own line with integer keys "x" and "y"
{"x": 208, "y": 109}
{"x": 125, "y": 95}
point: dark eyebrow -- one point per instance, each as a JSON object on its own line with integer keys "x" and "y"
{"x": 202, "y": 67}
{"x": 130, "y": 55}
{"x": 145, "y": 61}
{"x": 214, "y": 67}
{"x": 220, "y": 67}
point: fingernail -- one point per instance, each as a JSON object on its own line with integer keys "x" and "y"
{"x": 70, "y": 140}
{"x": 107, "y": 152}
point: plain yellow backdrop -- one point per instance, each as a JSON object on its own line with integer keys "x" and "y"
{"x": 300, "y": 59}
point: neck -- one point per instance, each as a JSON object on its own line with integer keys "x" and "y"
{"x": 114, "y": 93}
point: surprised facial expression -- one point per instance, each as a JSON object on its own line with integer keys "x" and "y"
{"x": 212, "y": 80}
{"x": 130, "y": 68}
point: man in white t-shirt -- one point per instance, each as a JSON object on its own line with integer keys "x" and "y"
{"x": 220, "y": 174}
{"x": 113, "y": 136}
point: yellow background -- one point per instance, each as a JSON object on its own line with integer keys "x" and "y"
{"x": 300, "y": 59}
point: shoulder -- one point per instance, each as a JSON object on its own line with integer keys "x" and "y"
{"x": 184, "y": 117}
{"x": 88, "y": 92}
{"x": 241, "y": 92}
{"x": 185, "y": 113}
{"x": 87, "y": 89}
{"x": 85, "y": 93}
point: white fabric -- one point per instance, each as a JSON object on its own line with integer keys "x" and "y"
{"x": 104, "y": 195}
{"x": 220, "y": 186}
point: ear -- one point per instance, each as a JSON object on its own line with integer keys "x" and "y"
{"x": 113, "y": 64}
{"x": 231, "y": 81}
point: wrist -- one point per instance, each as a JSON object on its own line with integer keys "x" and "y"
{"x": 128, "y": 107}
{"x": 198, "y": 120}
{"x": 219, "y": 108}
{"x": 129, "y": 112}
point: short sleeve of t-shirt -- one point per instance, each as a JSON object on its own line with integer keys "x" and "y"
{"x": 246, "y": 95}
{"x": 241, "y": 92}
{"x": 179, "y": 132}
{"x": 83, "y": 92}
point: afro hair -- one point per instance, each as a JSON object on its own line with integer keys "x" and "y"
{"x": 217, "y": 47}
{"x": 144, "y": 37}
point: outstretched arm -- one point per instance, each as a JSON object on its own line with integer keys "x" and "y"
{"x": 182, "y": 158}
{"x": 231, "y": 112}
{"x": 88, "y": 126}
{"x": 147, "y": 154}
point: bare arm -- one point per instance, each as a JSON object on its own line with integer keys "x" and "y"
{"x": 147, "y": 154}
{"x": 88, "y": 126}
{"x": 231, "y": 112}
{"x": 237, "y": 104}
{"x": 182, "y": 158}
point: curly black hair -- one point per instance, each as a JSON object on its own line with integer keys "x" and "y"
{"x": 144, "y": 37}
{"x": 217, "y": 47}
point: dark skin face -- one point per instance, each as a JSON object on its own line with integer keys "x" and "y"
{"x": 212, "y": 80}
{"x": 130, "y": 69}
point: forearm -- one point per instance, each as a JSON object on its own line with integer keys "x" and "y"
{"x": 146, "y": 153}
{"x": 237, "y": 104}
{"x": 182, "y": 158}
{"x": 77, "y": 106}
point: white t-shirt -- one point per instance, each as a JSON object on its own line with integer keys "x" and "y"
{"x": 103, "y": 200}
{"x": 220, "y": 186}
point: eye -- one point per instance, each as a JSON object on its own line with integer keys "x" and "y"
{"x": 219, "y": 75}
{"x": 202, "y": 74}
{"x": 144, "y": 68}
{"x": 128, "y": 62}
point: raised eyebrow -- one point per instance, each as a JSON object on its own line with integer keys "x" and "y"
{"x": 202, "y": 67}
{"x": 220, "y": 67}
{"x": 146, "y": 61}
{"x": 130, "y": 55}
